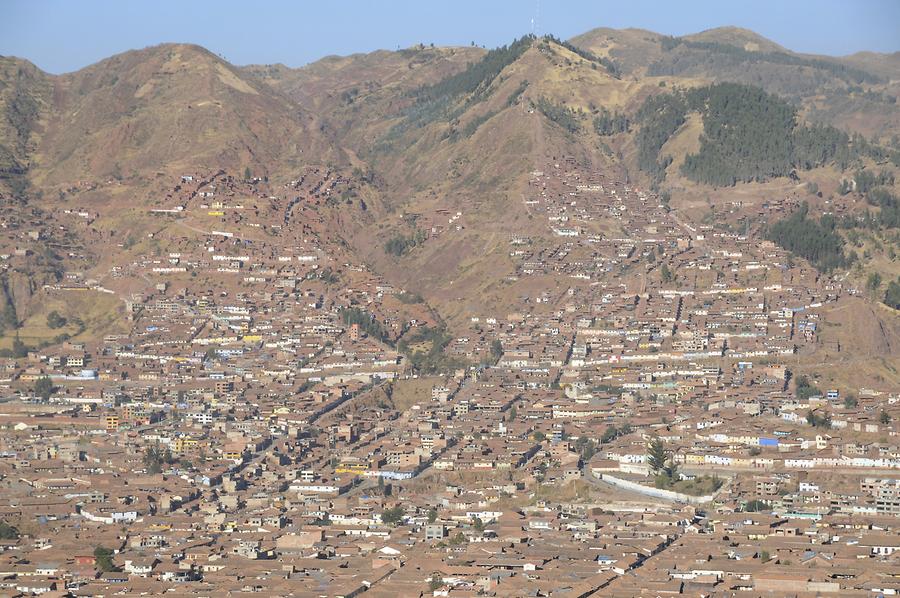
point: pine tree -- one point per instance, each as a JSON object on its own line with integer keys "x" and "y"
{"x": 656, "y": 455}
{"x": 43, "y": 387}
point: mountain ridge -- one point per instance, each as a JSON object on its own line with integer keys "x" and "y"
{"x": 427, "y": 131}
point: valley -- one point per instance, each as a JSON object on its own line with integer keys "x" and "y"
{"x": 550, "y": 319}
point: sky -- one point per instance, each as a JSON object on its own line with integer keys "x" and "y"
{"x": 65, "y": 35}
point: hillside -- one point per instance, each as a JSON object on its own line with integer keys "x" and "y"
{"x": 478, "y": 132}
{"x": 343, "y": 83}
{"x": 25, "y": 93}
{"x": 106, "y": 141}
{"x": 439, "y": 146}
{"x": 168, "y": 108}
{"x": 466, "y": 144}
{"x": 855, "y": 93}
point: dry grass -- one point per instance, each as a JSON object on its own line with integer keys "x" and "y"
{"x": 412, "y": 391}
{"x": 100, "y": 312}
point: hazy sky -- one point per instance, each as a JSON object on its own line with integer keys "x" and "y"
{"x": 65, "y": 35}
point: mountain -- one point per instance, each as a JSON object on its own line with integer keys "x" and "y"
{"x": 106, "y": 142}
{"x": 382, "y": 74}
{"x": 175, "y": 106}
{"x": 25, "y": 92}
{"x": 737, "y": 36}
{"x": 854, "y": 92}
{"x": 454, "y": 131}
{"x": 466, "y": 142}
{"x": 165, "y": 108}
{"x": 438, "y": 139}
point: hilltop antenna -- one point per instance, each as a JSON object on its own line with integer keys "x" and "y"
{"x": 536, "y": 20}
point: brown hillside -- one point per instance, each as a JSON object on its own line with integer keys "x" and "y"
{"x": 169, "y": 108}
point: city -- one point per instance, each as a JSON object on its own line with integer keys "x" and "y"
{"x": 307, "y": 365}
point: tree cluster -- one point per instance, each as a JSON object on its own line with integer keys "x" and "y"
{"x": 155, "y": 458}
{"x": 470, "y": 127}
{"x": 54, "y": 320}
{"x": 892, "y": 294}
{"x": 659, "y": 117}
{"x": 816, "y": 241}
{"x": 585, "y": 447}
{"x": 612, "y": 432}
{"x": 9, "y": 319}
{"x": 476, "y": 75}
{"x": 568, "y": 118}
{"x": 436, "y": 102}
{"x": 608, "y": 63}
{"x": 804, "y": 389}
{"x": 735, "y": 55}
{"x": 866, "y": 181}
{"x": 433, "y": 360}
{"x": 756, "y": 506}
{"x": 43, "y": 387}
{"x": 610, "y": 123}
{"x": 399, "y": 245}
{"x": 818, "y": 420}
{"x": 393, "y": 515}
{"x": 748, "y": 135}
{"x": 517, "y": 92}
{"x": 8, "y": 532}
{"x": 103, "y": 558}
{"x": 366, "y": 322}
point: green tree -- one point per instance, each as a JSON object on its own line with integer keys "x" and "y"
{"x": 43, "y": 387}
{"x": 607, "y": 123}
{"x": 666, "y": 274}
{"x": 873, "y": 283}
{"x": 392, "y": 516}
{"x": 609, "y": 434}
{"x": 656, "y": 455}
{"x": 804, "y": 389}
{"x": 247, "y": 174}
{"x": 756, "y": 506}
{"x": 366, "y": 322}
{"x": 818, "y": 421}
{"x": 539, "y": 436}
{"x": 19, "y": 349}
{"x": 748, "y": 134}
{"x": 892, "y": 294}
{"x": 104, "y": 560}
{"x": 585, "y": 447}
{"x": 816, "y": 241}
{"x": 432, "y": 515}
{"x": 54, "y": 320}
{"x": 885, "y": 417}
{"x": 496, "y": 349}
{"x": 850, "y": 402}
{"x": 671, "y": 471}
{"x": 811, "y": 417}
{"x": 435, "y": 583}
{"x": 568, "y": 118}
{"x": 399, "y": 245}
{"x": 8, "y": 532}
{"x": 155, "y": 458}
